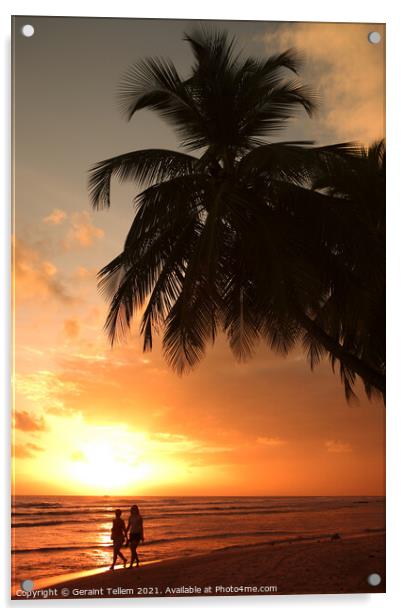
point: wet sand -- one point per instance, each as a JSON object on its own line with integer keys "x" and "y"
{"x": 297, "y": 566}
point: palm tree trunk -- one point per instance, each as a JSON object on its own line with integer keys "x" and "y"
{"x": 360, "y": 367}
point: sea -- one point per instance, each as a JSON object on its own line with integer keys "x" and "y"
{"x": 58, "y": 535}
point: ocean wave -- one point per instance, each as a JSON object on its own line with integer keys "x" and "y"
{"x": 186, "y": 511}
{"x": 208, "y": 537}
{"x": 170, "y": 539}
{"x": 44, "y": 518}
{"x": 61, "y": 548}
{"x": 232, "y": 511}
{"x": 61, "y": 512}
{"x": 44, "y": 523}
{"x": 38, "y": 505}
{"x": 91, "y": 517}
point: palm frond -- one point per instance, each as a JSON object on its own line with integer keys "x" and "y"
{"x": 131, "y": 277}
{"x": 240, "y": 320}
{"x": 168, "y": 287}
{"x": 147, "y": 78}
{"x": 154, "y": 84}
{"x": 273, "y": 108}
{"x": 169, "y": 203}
{"x": 142, "y": 166}
{"x": 213, "y": 50}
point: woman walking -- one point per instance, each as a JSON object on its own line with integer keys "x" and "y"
{"x": 118, "y": 535}
{"x": 135, "y": 533}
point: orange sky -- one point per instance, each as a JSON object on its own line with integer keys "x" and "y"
{"x": 91, "y": 420}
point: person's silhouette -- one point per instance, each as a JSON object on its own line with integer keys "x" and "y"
{"x": 118, "y": 536}
{"x": 136, "y": 533}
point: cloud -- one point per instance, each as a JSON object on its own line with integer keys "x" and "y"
{"x": 27, "y": 422}
{"x": 180, "y": 443}
{"x": 55, "y": 217}
{"x": 36, "y": 277}
{"x": 82, "y": 232}
{"x": 71, "y": 328}
{"x": 43, "y": 386}
{"x": 26, "y": 451}
{"x": 57, "y": 408}
{"x": 338, "y": 447}
{"x": 273, "y": 441}
{"x": 164, "y": 437}
{"x": 347, "y": 72}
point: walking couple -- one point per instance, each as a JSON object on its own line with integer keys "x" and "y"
{"x": 129, "y": 535}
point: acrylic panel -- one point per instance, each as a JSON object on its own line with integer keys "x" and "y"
{"x": 199, "y": 313}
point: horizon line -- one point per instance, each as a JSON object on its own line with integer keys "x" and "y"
{"x": 212, "y": 495}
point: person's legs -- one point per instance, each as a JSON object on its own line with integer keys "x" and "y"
{"x": 134, "y": 554}
{"x": 124, "y": 559}
{"x": 115, "y": 552}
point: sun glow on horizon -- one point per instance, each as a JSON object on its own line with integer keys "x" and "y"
{"x": 110, "y": 459}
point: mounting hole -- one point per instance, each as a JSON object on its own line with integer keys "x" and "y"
{"x": 374, "y": 579}
{"x": 374, "y": 37}
{"x": 27, "y": 585}
{"x": 28, "y": 30}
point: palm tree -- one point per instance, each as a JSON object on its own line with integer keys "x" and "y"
{"x": 233, "y": 236}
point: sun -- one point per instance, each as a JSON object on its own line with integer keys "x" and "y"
{"x": 110, "y": 459}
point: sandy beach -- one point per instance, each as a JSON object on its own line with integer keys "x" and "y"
{"x": 303, "y": 566}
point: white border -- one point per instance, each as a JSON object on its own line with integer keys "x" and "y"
{"x": 368, "y": 11}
